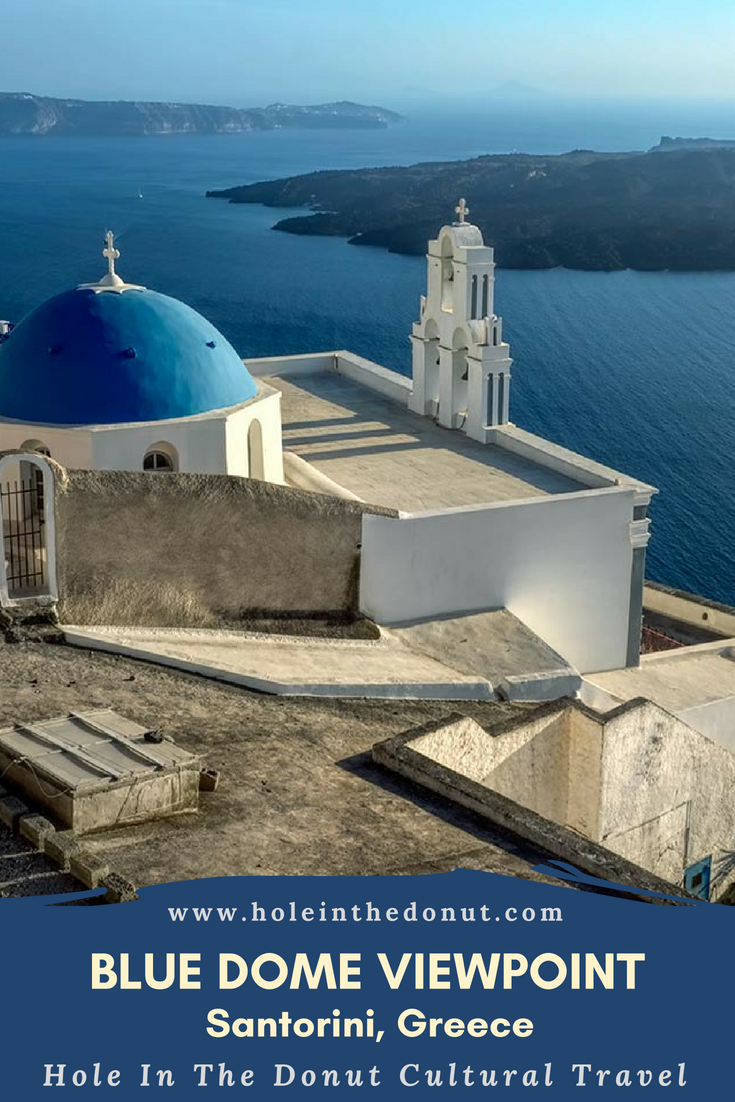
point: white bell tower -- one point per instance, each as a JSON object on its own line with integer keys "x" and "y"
{"x": 461, "y": 366}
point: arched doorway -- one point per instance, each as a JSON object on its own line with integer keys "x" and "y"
{"x": 256, "y": 465}
{"x": 28, "y": 561}
{"x": 30, "y": 471}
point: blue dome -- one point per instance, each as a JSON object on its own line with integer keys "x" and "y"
{"x": 86, "y": 358}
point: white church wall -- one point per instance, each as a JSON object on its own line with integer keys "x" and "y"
{"x": 561, "y": 564}
{"x": 70, "y": 447}
{"x": 254, "y": 446}
{"x": 199, "y": 445}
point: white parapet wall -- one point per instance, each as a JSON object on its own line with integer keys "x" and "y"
{"x": 365, "y": 372}
{"x": 309, "y": 363}
{"x": 556, "y": 458}
{"x": 381, "y": 379}
{"x": 561, "y": 564}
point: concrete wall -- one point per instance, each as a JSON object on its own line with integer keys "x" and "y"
{"x": 536, "y": 774}
{"x": 569, "y": 845}
{"x": 585, "y": 773}
{"x": 199, "y": 444}
{"x": 667, "y": 793}
{"x": 715, "y": 719}
{"x": 464, "y": 746}
{"x": 196, "y": 550}
{"x": 561, "y": 564}
{"x": 688, "y": 609}
{"x": 639, "y": 782}
{"x": 548, "y": 761}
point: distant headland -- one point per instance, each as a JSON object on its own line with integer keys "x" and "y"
{"x": 670, "y": 208}
{"x": 23, "y": 113}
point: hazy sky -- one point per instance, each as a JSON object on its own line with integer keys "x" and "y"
{"x": 249, "y": 52}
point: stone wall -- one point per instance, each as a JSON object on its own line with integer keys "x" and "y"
{"x": 201, "y": 550}
{"x": 636, "y": 780}
{"x": 558, "y": 840}
{"x": 667, "y": 794}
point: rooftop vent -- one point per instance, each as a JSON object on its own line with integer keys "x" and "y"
{"x": 97, "y": 769}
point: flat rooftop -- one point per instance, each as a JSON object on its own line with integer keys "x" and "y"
{"x": 461, "y": 657}
{"x": 299, "y": 793}
{"x": 493, "y": 644}
{"x": 392, "y": 457}
{"x": 676, "y": 680}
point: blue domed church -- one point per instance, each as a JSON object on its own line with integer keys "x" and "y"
{"x": 113, "y": 376}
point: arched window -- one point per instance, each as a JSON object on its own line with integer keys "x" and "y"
{"x": 35, "y": 446}
{"x": 473, "y": 307}
{"x": 161, "y": 457}
{"x": 157, "y": 461}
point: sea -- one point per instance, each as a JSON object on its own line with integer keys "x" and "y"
{"x": 636, "y": 370}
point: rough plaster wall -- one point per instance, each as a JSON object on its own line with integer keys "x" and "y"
{"x": 716, "y": 720}
{"x": 652, "y": 765}
{"x": 537, "y": 774}
{"x": 462, "y": 745}
{"x": 585, "y": 774}
{"x": 549, "y": 763}
{"x": 467, "y": 748}
{"x": 657, "y": 844}
{"x": 197, "y": 550}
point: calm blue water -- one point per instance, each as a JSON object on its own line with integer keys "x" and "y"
{"x": 635, "y": 370}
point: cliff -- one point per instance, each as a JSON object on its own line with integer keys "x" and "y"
{"x": 22, "y": 113}
{"x": 586, "y": 210}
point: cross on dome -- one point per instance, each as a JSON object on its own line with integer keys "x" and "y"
{"x": 111, "y": 281}
{"x": 111, "y": 254}
{"x": 462, "y": 210}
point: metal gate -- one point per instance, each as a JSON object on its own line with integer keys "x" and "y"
{"x": 24, "y": 539}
